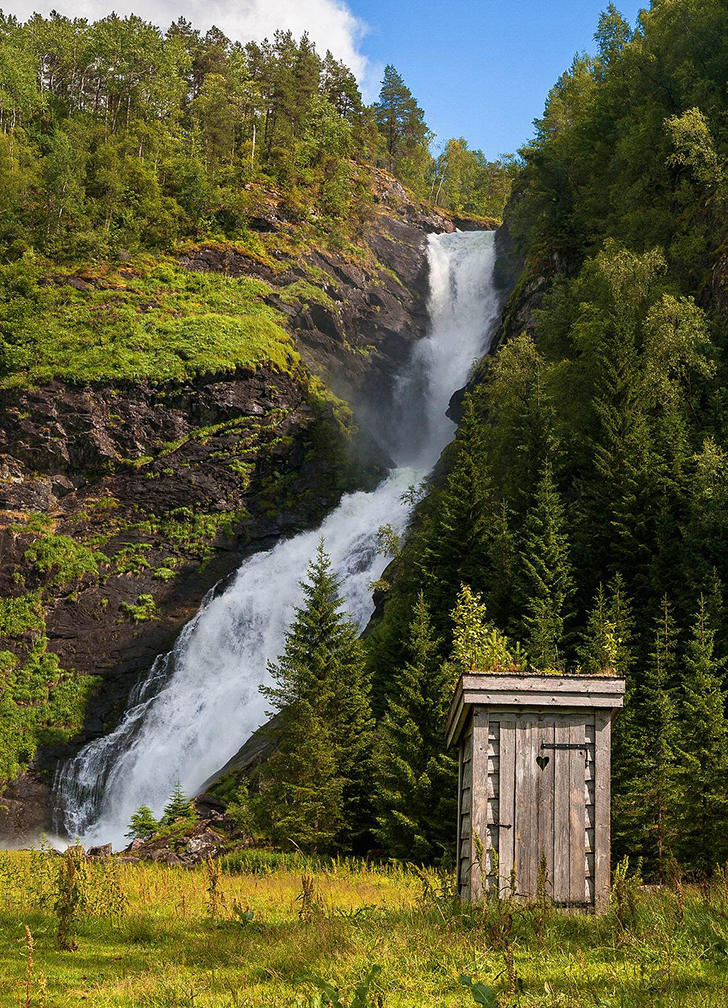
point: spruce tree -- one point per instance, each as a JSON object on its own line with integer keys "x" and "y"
{"x": 455, "y": 545}
{"x": 547, "y": 583}
{"x": 142, "y": 825}
{"x": 654, "y": 791}
{"x": 178, "y": 806}
{"x": 416, "y": 776}
{"x": 301, "y": 796}
{"x": 606, "y": 644}
{"x": 702, "y": 754}
{"x": 323, "y": 666}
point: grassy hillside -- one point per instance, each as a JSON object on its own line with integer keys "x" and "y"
{"x": 262, "y": 934}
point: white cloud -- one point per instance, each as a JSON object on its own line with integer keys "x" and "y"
{"x": 329, "y": 23}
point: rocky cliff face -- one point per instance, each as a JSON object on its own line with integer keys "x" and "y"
{"x": 124, "y": 503}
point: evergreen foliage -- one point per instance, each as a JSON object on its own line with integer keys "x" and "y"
{"x": 588, "y": 479}
{"x": 178, "y": 807}
{"x": 702, "y": 753}
{"x": 143, "y": 825}
{"x": 416, "y": 778}
{"x": 315, "y": 789}
{"x": 546, "y": 581}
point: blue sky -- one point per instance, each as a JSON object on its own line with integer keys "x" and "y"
{"x": 480, "y": 68}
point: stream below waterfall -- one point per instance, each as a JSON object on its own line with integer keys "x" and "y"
{"x": 201, "y": 701}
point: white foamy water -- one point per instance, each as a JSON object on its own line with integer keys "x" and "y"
{"x": 201, "y": 702}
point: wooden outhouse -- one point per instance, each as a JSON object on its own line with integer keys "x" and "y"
{"x": 535, "y": 783}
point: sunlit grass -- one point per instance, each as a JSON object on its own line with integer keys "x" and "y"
{"x": 147, "y": 939}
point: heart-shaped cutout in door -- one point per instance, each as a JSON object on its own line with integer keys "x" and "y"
{"x": 542, "y": 760}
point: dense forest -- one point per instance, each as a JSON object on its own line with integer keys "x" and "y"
{"x": 118, "y": 137}
{"x": 584, "y": 498}
{"x": 579, "y": 519}
{"x": 120, "y": 142}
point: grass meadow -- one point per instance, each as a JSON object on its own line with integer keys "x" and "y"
{"x": 262, "y": 930}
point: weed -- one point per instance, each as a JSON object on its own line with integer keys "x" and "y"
{"x": 70, "y": 897}
{"x": 215, "y": 898}
{"x": 310, "y": 899}
{"x": 362, "y": 996}
{"x": 144, "y": 610}
{"x": 624, "y": 896}
{"x": 482, "y": 995}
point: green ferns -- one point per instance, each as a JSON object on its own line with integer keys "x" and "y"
{"x": 63, "y": 558}
{"x": 20, "y": 614}
{"x": 40, "y": 704}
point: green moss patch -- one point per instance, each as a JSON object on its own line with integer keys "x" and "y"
{"x": 157, "y": 321}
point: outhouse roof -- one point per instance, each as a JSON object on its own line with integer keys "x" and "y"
{"x": 524, "y": 689}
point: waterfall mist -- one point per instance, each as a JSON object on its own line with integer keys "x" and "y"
{"x": 201, "y": 701}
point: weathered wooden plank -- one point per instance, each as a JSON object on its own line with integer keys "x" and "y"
{"x": 526, "y": 808}
{"x": 507, "y": 802}
{"x": 537, "y": 698}
{"x": 466, "y": 778}
{"x": 589, "y": 891}
{"x": 479, "y": 801}
{"x": 577, "y": 812}
{"x": 545, "y": 773}
{"x": 561, "y": 812}
{"x": 601, "y": 810}
{"x": 459, "y": 827}
{"x": 526, "y": 682}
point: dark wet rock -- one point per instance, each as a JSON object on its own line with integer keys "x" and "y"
{"x": 24, "y": 807}
{"x": 193, "y": 845}
{"x": 104, "y": 851}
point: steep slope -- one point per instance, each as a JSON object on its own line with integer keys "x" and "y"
{"x": 127, "y": 500}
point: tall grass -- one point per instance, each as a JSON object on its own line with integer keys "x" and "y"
{"x": 149, "y": 935}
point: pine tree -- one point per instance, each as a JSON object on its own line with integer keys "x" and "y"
{"x": 323, "y": 666}
{"x": 301, "y": 790}
{"x": 142, "y": 825}
{"x": 547, "y": 583}
{"x": 455, "y": 545}
{"x": 607, "y": 639}
{"x": 401, "y": 122}
{"x": 179, "y": 806}
{"x": 654, "y": 792}
{"x": 702, "y": 754}
{"x": 608, "y": 646}
{"x": 416, "y": 776}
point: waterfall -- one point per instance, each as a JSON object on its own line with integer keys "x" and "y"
{"x": 201, "y": 701}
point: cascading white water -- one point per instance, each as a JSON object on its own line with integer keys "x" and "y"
{"x": 201, "y": 702}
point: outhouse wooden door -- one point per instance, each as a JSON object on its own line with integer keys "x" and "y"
{"x": 540, "y": 802}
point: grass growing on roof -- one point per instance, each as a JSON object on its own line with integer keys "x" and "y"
{"x": 155, "y": 321}
{"x": 148, "y": 935}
